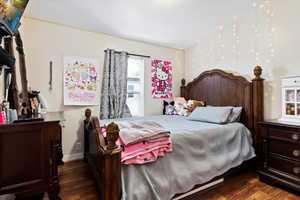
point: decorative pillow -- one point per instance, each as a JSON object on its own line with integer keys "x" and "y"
{"x": 180, "y": 106}
{"x": 169, "y": 108}
{"x": 217, "y": 115}
{"x": 181, "y": 109}
{"x": 235, "y": 115}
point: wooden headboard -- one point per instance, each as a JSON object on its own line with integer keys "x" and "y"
{"x": 219, "y": 88}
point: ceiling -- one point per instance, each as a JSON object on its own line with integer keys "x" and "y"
{"x": 172, "y": 23}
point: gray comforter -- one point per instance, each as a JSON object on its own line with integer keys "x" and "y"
{"x": 202, "y": 151}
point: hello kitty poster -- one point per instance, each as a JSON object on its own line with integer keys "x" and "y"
{"x": 161, "y": 79}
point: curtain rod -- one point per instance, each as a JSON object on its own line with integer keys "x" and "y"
{"x": 131, "y": 54}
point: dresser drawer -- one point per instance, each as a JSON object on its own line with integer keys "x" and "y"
{"x": 285, "y": 149}
{"x": 288, "y": 167}
{"x": 290, "y": 136}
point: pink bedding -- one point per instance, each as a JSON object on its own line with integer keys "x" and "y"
{"x": 132, "y": 132}
{"x": 145, "y": 152}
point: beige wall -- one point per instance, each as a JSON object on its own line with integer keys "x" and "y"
{"x": 45, "y": 42}
{"x": 207, "y": 54}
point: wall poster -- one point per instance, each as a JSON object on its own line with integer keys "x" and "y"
{"x": 81, "y": 84}
{"x": 161, "y": 79}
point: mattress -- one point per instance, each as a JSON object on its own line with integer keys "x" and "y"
{"x": 201, "y": 152}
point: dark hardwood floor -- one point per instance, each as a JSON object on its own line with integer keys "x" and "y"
{"x": 77, "y": 184}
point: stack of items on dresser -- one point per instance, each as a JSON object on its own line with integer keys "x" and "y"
{"x": 143, "y": 141}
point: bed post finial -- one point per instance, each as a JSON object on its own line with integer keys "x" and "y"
{"x": 112, "y": 136}
{"x": 257, "y": 72}
{"x": 88, "y": 114}
{"x": 258, "y": 105}
{"x": 183, "y": 82}
{"x": 183, "y": 88}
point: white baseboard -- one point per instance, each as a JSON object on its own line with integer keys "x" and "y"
{"x": 71, "y": 157}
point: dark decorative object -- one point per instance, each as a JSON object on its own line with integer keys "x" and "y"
{"x": 279, "y": 160}
{"x": 51, "y": 75}
{"x": 215, "y": 87}
{"x": 13, "y": 90}
{"x": 112, "y": 136}
{"x": 25, "y": 99}
{"x": 29, "y": 164}
{"x": 169, "y": 108}
{"x": 6, "y": 58}
{"x": 257, "y": 72}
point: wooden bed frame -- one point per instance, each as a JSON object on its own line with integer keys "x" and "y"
{"x": 215, "y": 87}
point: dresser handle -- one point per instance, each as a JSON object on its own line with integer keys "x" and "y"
{"x": 295, "y": 136}
{"x": 296, "y": 153}
{"x": 296, "y": 170}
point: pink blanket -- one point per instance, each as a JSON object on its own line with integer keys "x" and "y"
{"x": 145, "y": 152}
{"x": 137, "y": 131}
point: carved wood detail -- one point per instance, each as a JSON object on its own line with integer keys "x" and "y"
{"x": 106, "y": 158}
{"x": 23, "y": 74}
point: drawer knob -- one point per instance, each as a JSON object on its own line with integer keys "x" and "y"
{"x": 296, "y": 153}
{"x": 295, "y": 137}
{"x": 296, "y": 170}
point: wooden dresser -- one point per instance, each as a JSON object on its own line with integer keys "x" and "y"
{"x": 28, "y": 159}
{"x": 279, "y": 154}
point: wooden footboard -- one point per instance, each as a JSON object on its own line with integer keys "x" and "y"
{"x": 103, "y": 157}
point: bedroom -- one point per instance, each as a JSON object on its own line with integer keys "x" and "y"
{"x": 193, "y": 37}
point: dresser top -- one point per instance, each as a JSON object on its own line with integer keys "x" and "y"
{"x": 277, "y": 122}
{"x": 48, "y": 118}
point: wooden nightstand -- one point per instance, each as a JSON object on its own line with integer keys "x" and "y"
{"x": 279, "y": 154}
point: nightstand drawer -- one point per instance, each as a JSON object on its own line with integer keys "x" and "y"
{"x": 288, "y": 167}
{"x": 285, "y": 135}
{"x": 285, "y": 149}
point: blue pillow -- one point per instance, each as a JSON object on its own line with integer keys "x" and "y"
{"x": 235, "y": 115}
{"x": 217, "y": 115}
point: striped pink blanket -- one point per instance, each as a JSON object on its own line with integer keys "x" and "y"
{"x": 143, "y": 141}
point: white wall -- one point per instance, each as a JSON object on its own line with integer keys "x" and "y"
{"x": 45, "y": 42}
{"x": 207, "y": 54}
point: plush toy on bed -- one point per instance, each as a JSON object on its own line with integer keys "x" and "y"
{"x": 193, "y": 104}
{"x": 169, "y": 108}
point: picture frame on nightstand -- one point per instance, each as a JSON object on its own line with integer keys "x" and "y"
{"x": 291, "y": 100}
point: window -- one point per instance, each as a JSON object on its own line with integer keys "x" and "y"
{"x": 135, "y": 85}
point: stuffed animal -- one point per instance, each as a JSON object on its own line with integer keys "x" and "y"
{"x": 193, "y": 104}
{"x": 169, "y": 108}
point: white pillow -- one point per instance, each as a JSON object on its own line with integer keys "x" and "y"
{"x": 217, "y": 115}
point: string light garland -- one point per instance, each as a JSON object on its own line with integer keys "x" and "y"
{"x": 221, "y": 43}
{"x": 236, "y": 40}
{"x": 264, "y": 33}
{"x": 262, "y": 30}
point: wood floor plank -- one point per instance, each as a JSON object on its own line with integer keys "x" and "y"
{"x": 77, "y": 184}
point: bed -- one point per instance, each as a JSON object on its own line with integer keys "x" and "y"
{"x": 203, "y": 155}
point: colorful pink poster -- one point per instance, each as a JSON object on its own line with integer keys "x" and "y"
{"x": 161, "y": 79}
{"x": 81, "y": 81}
